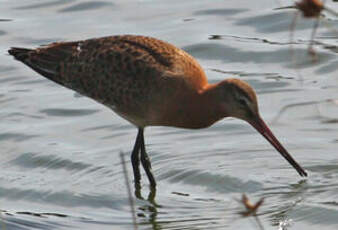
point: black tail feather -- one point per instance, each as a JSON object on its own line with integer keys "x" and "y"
{"x": 47, "y": 60}
{"x": 41, "y": 63}
{"x": 20, "y": 54}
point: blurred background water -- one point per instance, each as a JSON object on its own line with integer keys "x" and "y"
{"x": 60, "y": 165}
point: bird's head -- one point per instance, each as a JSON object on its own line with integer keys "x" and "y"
{"x": 237, "y": 99}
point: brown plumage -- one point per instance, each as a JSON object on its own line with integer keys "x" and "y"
{"x": 149, "y": 83}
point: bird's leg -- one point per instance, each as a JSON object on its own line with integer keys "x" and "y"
{"x": 145, "y": 161}
{"x": 135, "y": 159}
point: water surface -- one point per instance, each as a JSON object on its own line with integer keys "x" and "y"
{"x": 60, "y": 151}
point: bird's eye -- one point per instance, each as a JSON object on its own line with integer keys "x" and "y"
{"x": 242, "y": 101}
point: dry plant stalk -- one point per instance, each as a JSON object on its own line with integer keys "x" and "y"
{"x": 251, "y": 209}
{"x": 3, "y": 224}
{"x": 131, "y": 200}
{"x": 310, "y": 8}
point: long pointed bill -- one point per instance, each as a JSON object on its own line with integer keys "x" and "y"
{"x": 261, "y": 127}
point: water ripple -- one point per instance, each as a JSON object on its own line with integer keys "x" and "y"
{"x": 68, "y": 112}
{"x": 31, "y": 160}
{"x": 44, "y": 5}
{"x": 224, "y": 12}
{"x": 63, "y": 199}
{"x": 225, "y": 53}
{"x": 93, "y": 5}
{"x": 17, "y": 137}
{"x": 273, "y": 23}
{"x": 216, "y": 183}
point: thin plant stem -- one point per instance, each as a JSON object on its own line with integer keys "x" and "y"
{"x": 130, "y": 197}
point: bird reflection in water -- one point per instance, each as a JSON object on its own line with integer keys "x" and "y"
{"x": 149, "y": 207}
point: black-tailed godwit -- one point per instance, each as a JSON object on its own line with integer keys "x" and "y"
{"x": 148, "y": 82}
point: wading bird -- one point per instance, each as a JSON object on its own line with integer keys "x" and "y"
{"x": 148, "y": 82}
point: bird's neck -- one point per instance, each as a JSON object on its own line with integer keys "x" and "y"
{"x": 209, "y": 103}
{"x": 199, "y": 109}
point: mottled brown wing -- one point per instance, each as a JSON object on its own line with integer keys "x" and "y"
{"x": 116, "y": 71}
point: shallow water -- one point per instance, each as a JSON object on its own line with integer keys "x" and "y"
{"x": 60, "y": 152}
